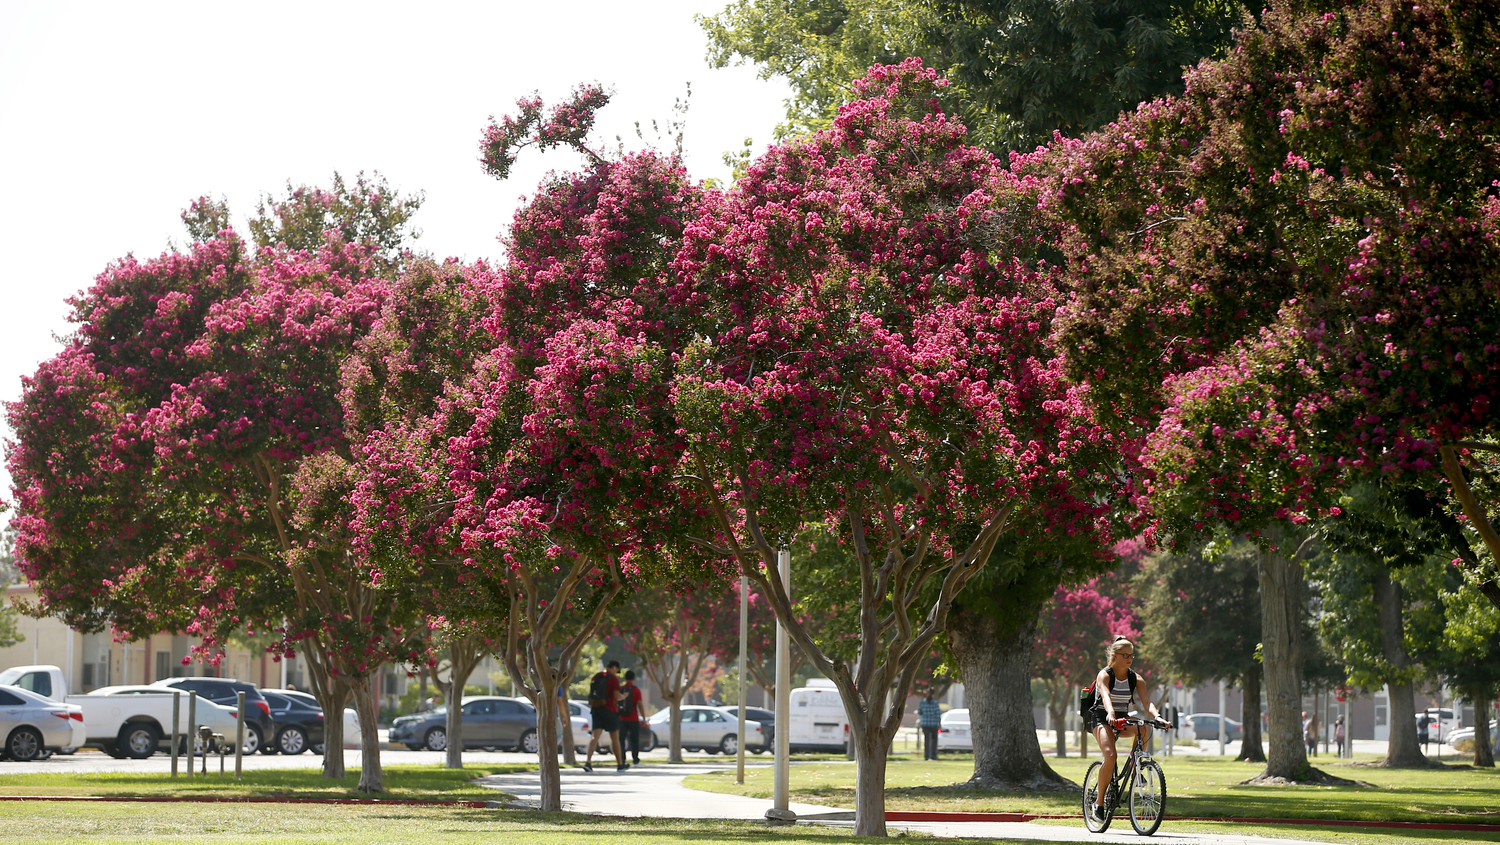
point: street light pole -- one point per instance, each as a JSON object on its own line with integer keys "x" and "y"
{"x": 780, "y": 810}
{"x": 739, "y": 767}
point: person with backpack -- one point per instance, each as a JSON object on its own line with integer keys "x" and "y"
{"x": 604, "y": 708}
{"x": 1108, "y": 700}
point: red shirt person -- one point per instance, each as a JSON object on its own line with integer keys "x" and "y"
{"x": 631, "y": 711}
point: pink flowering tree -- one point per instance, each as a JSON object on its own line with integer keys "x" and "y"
{"x": 428, "y": 338}
{"x": 1288, "y": 275}
{"x": 212, "y": 444}
{"x": 546, "y": 474}
{"x": 1077, "y": 624}
{"x": 875, "y": 363}
{"x": 674, "y": 636}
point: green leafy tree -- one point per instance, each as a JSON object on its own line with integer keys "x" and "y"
{"x": 10, "y": 633}
{"x": 1201, "y": 613}
{"x": 1022, "y": 69}
{"x": 1469, "y": 659}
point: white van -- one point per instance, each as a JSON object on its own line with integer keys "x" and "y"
{"x": 816, "y": 721}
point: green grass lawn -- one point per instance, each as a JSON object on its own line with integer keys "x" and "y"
{"x": 217, "y": 824}
{"x": 409, "y": 782}
{"x": 1196, "y": 786}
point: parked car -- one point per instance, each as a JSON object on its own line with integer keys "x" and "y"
{"x": 953, "y": 731}
{"x": 300, "y": 720}
{"x": 489, "y": 722}
{"x": 117, "y": 719}
{"x": 150, "y": 718}
{"x": 704, "y": 728}
{"x": 1205, "y": 728}
{"x": 34, "y": 725}
{"x": 767, "y": 720}
{"x": 1463, "y": 738}
{"x": 578, "y": 712}
{"x": 260, "y": 728}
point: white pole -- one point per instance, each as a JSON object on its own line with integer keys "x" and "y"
{"x": 739, "y": 769}
{"x": 1223, "y": 719}
{"x": 782, "y": 788}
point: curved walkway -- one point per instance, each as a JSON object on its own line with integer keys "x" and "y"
{"x": 657, "y": 791}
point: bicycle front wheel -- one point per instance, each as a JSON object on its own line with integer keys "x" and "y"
{"x": 1148, "y": 798}
{"x": 1091, "y": 789}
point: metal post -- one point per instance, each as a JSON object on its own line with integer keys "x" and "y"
{"x": 239, "y": 739}
{"x": 739, "y": 767}
{"x": 176, "y": 713}
{"x": 782, "y": 788}
{"x": 192, "y": 730}
{"x": 1223, "y": 719}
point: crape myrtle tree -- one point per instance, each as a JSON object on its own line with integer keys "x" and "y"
{"x": 675, "y": 635}
{"x": 426, "y": 341}
{"x": 186, "y": 403}
{"x": 1204, "y": 610}
{"x": 551, "y": 464}
{"x": 1075, "y": 627}
{"x": 1288, "y": 273}
{"x": 874, "y": 363}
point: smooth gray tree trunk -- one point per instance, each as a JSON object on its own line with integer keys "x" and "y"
{"x": 371, "y": 777}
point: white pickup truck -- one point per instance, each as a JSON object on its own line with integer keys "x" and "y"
{"x": 124, "y": 721}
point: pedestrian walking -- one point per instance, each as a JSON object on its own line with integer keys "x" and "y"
{"x": 1310, "y": 733}
{"x": 631, "y": 713}
{"x": 930, "y": 717}
{"x": 604, "y": 709}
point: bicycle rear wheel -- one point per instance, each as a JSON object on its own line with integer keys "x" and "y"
{"x": 1091, "y": 789}
{"x": 1148, "y": 798}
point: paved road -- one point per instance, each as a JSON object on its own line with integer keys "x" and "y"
{"x": 657, "y": 791}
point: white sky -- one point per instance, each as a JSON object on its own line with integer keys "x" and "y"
{"x": 114, "y": 116}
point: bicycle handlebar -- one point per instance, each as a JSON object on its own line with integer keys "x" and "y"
{"x": 1136, "y": 720}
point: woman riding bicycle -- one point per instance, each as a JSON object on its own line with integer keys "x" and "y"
{"x": 1115, "y": 690}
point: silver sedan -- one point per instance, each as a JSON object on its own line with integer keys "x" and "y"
{"x": 34, "y": 725}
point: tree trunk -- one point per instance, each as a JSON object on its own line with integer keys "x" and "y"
{"x": 548, "y": 711}
{"x": 674, "y": 732}
{"x": 870, "y": 745}
{"x": 333, "y": 696}
{"x": 371, "y": 778}
{"x": 569, "y": 742}
{"x": 1403, "y": 751}
{"x": 1484, "y": 750}
{"x": 1281, "y": 649}
{"x": 1058, "y": 714}
{"x": 994, "y": 659}
{"x": 1252, "y": 750}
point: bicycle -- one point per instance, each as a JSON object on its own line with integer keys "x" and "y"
{"x": 1141, "y": 776}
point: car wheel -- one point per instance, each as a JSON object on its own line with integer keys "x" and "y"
{"x": 138, "y": 740}
{"x": 24, "y": 745}
{"x": 436, "y": 739}
{"x": 291, "y": 740}
{"x": 527, "y": 742}
{"x": 649, "y": 743}
{"x": 730, "y": 744}
{"x": 253, "y": 740}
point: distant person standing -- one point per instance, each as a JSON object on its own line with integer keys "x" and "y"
{"x": 1311, "y": 735}
{"x": 930, "y": 717}
{"x": 604, "y": 709}
{"x": 1338, "y": 734}
{"x": 631, "y": 711}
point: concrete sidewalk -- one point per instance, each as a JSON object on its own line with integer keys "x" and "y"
{"x": 657, "y": 791}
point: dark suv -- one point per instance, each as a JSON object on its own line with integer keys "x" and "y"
{"x": 259, "y": 727}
